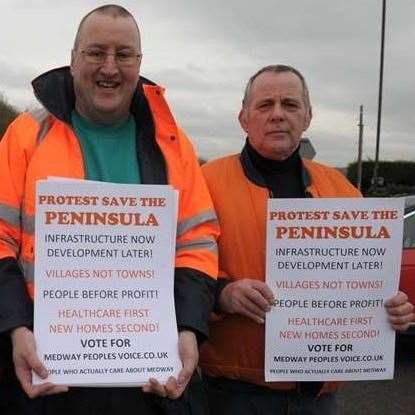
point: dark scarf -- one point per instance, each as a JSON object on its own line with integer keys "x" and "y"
{"x": 283, "y": 178}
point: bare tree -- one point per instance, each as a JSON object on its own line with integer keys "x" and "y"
{"x": 7, "y": 114}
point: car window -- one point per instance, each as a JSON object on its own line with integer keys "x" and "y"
{"x": 409, "y": 232}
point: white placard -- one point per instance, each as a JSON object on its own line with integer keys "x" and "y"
{"x": 104, "y": 278}
{"x": 331, "y": 264}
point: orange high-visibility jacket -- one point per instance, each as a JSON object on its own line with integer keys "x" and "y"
{"x": 235, "y": 349}
{"x": 42, "y": 143}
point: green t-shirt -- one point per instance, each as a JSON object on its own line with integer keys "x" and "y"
{"x": 109, "y": 151}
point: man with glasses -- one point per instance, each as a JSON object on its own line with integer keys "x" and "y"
{"x": 102, "y": 121}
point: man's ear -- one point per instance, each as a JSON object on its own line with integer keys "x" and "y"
{"x": 308, "y": 118}
{"x": 72, "y": 60}
{"x": 140, "y": 59}
{"x": 242, "y": 117}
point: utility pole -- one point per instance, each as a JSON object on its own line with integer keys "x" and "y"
{"x": 376, "y": 166}
{"x": 359, "y": 153}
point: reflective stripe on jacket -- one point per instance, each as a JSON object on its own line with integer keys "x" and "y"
{"x": 39, "y": 144}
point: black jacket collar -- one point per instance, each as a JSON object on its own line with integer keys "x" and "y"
{"x": 54, "y": 90}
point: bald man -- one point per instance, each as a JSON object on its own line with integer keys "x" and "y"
{"x": 100, "y": 120}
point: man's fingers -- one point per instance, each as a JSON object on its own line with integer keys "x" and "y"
{"x": 24, "y": 375}
{"x": 401, "y": 310}
{"x": 258, "y": 299}
{"x": 401, "y": 327}
{"x": 44, "y": 389}
{"x": 25, "y": 378}
{"x": 57, "y": 389}
{"x": 33, "y": 391}
{"x": 252, "y": 316}
{"x": 153, "y": 386}
{"x": 25, "y": 360}
{"x": 157, "y": 387}
{"x": 246, "y": 305}
{"x": 173, "y": 390}
{"x": 255, "y": 291}
{"x": 186, "y": 373}
{"x": 146, "y": 388}
{"x": 189, "y": 355}
{"x": 25, "y": 356}
{"x": 265, "y": 291}
{"x": 37, "y": 366}
{"x": 397, "y": 300}
{"x": 400, "y": 320}
{"x": 29, "y": 361}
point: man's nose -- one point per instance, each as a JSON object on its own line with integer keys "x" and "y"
{"x": 277, "y": 111}
{"x": 109, "y": 66}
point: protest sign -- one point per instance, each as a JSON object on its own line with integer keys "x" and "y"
{"x": 104, "y": 265}
{"x": 331, "y": 264}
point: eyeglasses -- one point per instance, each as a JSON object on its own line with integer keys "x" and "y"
{"x": 99, "y": 56}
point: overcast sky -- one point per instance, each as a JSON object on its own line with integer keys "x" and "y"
{"x": 203, "y": 52}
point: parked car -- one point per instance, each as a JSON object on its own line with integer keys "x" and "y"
{"x": 407, "y": 280}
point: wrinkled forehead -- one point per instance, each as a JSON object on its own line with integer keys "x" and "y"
{"x": 281, "y": 83}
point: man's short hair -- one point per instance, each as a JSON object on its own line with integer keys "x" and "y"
{"x": 278, "y": 69}
{"x": 113, "y": 10}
